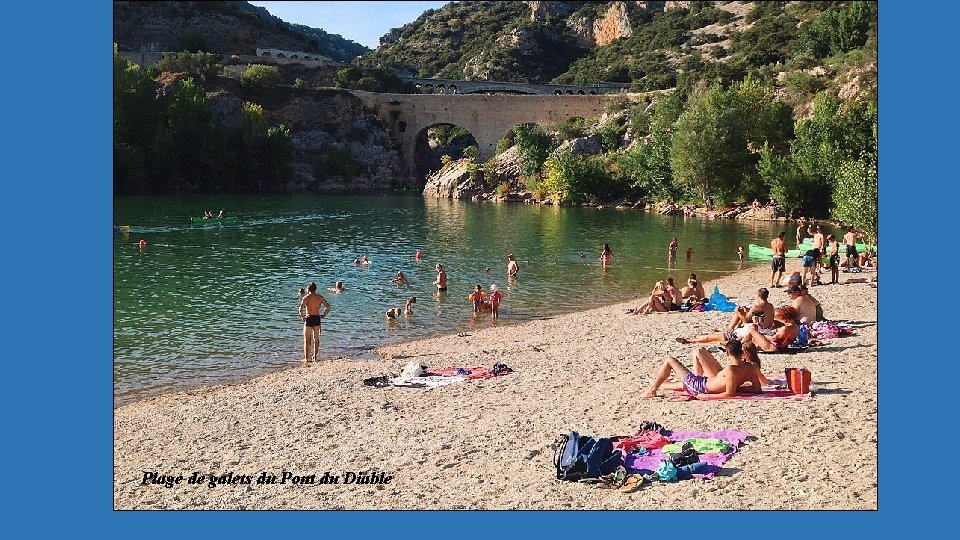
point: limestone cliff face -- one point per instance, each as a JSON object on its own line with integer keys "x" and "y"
{"x": 613, "y": 25}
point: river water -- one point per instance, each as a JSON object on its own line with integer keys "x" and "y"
{"x": 209, "y": 304}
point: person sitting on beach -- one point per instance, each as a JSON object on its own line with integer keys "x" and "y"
{"x": 697, "y": 285}
{"x": 478, "y": 297}
{"x": 337, "y": 287}
{"x": 606, "y": 256}
{"x": 512, "y": 267}
{"x": 496, "y": 296}
{"x": 780, "y": 341}
{"x": 659, "y": 301}
{"x": 676, "y": 298}
{"x": 808, "y": 308}
{"x": 756, "y": 203}
{"x": 400, "y": 279}
{"x": 694, "y": 289}
{"x": 408, "y": 307}
{"x": 708, "y": 377}
{"x": 760, "y": 313}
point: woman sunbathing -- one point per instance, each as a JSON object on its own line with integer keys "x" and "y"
{"x": 782, "y": 338}
{"x": 767, "y": 340}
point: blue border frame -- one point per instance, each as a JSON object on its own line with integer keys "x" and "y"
{"x": 59, "y": 102}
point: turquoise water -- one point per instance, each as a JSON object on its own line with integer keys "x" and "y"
{"x": 201, "y": 305}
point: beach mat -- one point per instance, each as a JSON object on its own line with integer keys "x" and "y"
{"x": 776, "y": 390}
{"x": 648, "y": 462}
{"x": 479, "y": 372}
{"x": 427, "y": 381}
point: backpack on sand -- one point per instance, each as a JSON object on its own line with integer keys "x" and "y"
{"x": 582, "y": 456}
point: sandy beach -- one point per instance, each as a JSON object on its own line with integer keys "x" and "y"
{"x": 489, "y": 444}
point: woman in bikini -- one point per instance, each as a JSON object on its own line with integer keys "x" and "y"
{"x": 606, "y": 257}
{"x": 784, "y": 336}
{"x": 659, "y": 301}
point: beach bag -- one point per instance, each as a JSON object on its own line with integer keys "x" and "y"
{"x": 413, "y": 369}
{"x": 582, "y": 456}
{"x": 567, "y": 455}
{"x": 719, "y": 302}
{"x": 798, "y": 380}
{"x": 825, "y": 329}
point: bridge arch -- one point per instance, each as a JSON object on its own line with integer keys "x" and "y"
{"x": 436, "y": 140}
{"x": 486, "y": 117}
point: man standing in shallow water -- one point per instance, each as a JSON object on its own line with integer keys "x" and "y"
{"x": 441, "y": 281}
{"x": 310, "y": 315}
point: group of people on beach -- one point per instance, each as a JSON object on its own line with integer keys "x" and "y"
{"x": 823, "y": 256}
{"x": 666, "y": 297}
{"x": 755, "y": 328}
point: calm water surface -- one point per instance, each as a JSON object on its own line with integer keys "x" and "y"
{"x": 209, "y": 304}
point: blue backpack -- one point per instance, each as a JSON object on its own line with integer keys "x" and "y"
{"x": 582, "y": 456}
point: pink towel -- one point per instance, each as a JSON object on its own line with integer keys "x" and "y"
{"x": 480, "y": 372}
{"x": 767, "y": 394}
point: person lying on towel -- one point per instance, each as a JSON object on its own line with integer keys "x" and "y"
{"x": 707, "y": 376}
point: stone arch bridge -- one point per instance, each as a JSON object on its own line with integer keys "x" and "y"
{"x": 487, "y": 117}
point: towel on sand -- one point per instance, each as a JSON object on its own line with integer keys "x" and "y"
{"x": 480, "y": 372}
{"x": 648, "y": 462}
{"x": 775, "y": 390}
{"x": 427, "y": 382}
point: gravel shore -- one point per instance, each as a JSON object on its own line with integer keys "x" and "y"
{"x": 489, "y": 444}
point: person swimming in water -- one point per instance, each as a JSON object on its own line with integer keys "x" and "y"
{"x": 337, "y": 287}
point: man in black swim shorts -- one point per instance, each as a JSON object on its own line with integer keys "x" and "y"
{"x": 310, "y": 315}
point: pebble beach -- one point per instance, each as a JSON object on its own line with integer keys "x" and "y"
{"x": 489, "y": 444}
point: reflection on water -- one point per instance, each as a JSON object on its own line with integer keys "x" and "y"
{"x": 202, "y": 304}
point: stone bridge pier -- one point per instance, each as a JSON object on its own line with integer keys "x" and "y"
{"x": 487, "y": 117}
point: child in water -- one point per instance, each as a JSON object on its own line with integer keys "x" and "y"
{"x": 477, "y": 297}
{"x": 689, "y": 253}
{"x": 495, "y": 298}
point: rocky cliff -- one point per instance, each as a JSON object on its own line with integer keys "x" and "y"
{"x": 219, "y": 27}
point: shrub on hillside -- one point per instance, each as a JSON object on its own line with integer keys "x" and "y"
{"x": 260, "y": 77}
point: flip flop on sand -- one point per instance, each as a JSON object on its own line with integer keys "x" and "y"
{"x": 632, "y": 483}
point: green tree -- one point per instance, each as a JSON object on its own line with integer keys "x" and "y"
{"x": 708, "y": 151}
{"x": 534, "y": 145}
{"x": 856, "y": 197}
